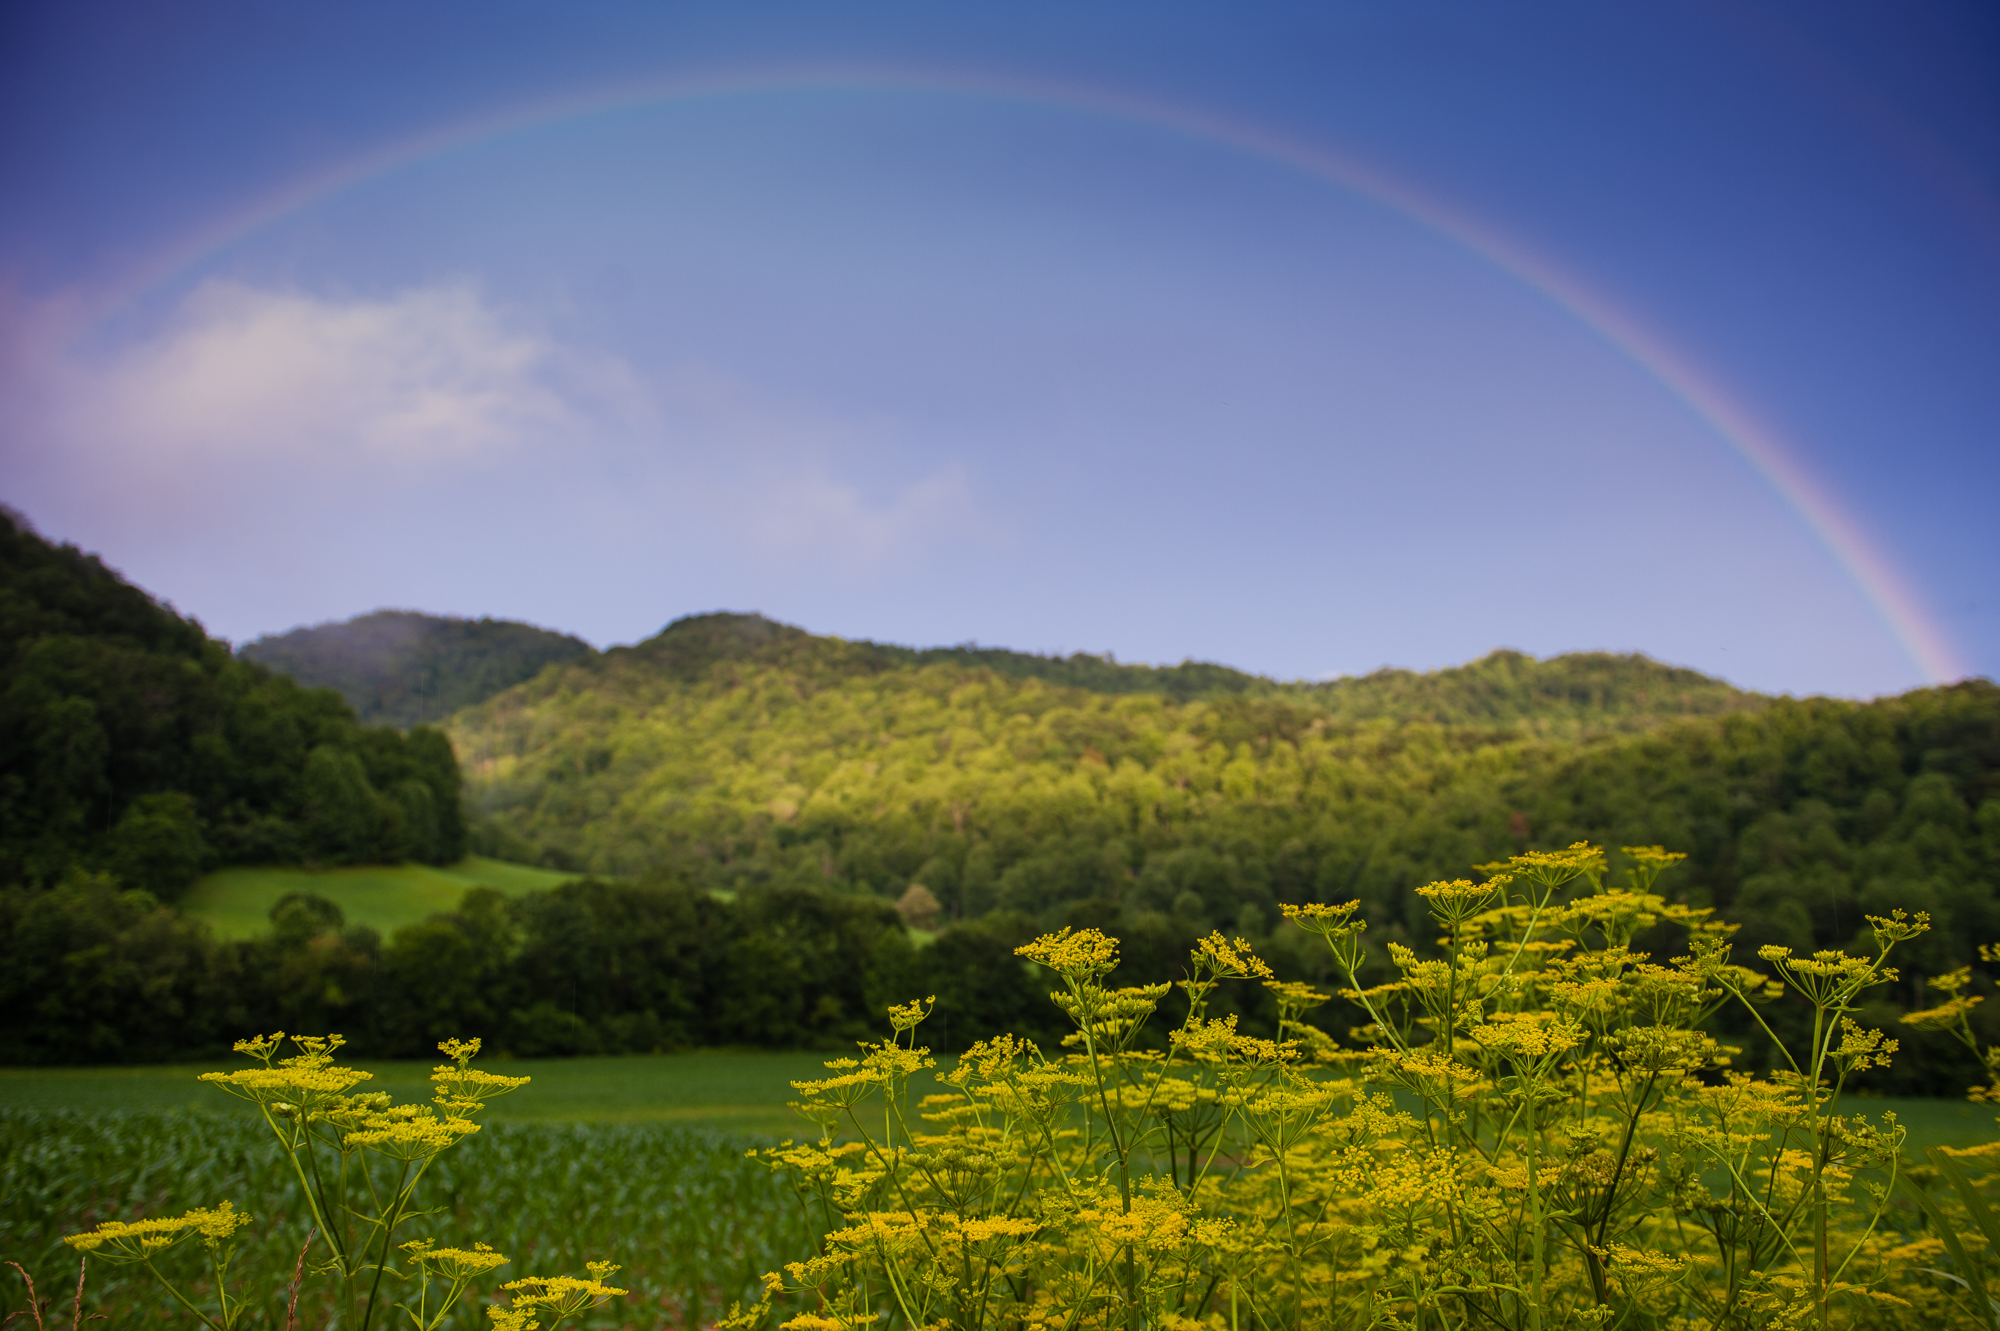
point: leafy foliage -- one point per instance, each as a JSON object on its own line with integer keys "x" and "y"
{"x": 402, "y": 668}
{"x": 131, "y": 742}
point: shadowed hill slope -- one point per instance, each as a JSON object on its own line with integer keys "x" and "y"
{"x": 132, "y": 743}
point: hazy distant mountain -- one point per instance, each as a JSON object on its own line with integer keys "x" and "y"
{"x": 402, "y": 668}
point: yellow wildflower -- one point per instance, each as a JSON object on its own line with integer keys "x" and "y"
{"x": 908, "y": 1016}
{"x": 564, "y": 1296}
{"x": 1078, "y": 956}
{"x": 140, "y": 1240}
{"x": 454, "y": 1263}
{"x": 1232, "y": 959}
{"x": 1329, "y": 921}
{"x": 410, "y": 1132}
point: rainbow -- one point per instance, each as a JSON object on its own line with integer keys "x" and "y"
{"x": 1874, "y": 574}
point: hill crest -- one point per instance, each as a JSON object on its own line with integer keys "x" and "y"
{"x": 1503, "y": 687}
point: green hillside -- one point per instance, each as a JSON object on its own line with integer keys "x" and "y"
{"x": 401, "y": 668}
{"x": 236, "y": 903}
{"x": 767, "y": 797}
{"x": 132, "y": 743}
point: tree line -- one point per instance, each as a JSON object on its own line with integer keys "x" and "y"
{"x": 100, "y": 974}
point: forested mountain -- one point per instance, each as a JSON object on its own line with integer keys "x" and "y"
{"x": 133, "y": 743}
{"x": 401, "y": 668}
{"x": 732, "y": 752}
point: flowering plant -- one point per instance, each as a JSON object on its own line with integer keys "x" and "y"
{"x": 1530, "y": 1129}
{"x": 358, "y": 1159}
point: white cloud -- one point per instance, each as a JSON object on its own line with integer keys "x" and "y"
{"x": 427, "y": 375}
{"x": 281, "y": 416}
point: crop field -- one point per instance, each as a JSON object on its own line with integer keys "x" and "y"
{"x": 635, "y": 1160}
{"x": 690, "y": 1219}
{"x": 744, "y": 1093}
{"x": 237, "y": 903}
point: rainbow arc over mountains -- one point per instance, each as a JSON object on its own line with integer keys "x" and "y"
{"x": 1859, "y": 556}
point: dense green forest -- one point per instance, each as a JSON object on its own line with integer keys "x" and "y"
{"x": 734, "y": 750}
{"x": 401, "y": 668}
{"x": 133, "y": 743}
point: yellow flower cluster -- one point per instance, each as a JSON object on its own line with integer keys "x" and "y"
{"x": 141, "y": 1240}
{"x": 453, "y": 1263}
{"x": 557, "y": 1297}
{"x": 305, "y": 1084}
{"x": 354, "y": 1202}
{"x": 1083, "y": 955}
{"x": 409, "y": 1132}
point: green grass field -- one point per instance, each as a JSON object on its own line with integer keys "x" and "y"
{"x": 727, "y": 1091}
{"x": 237, "y": 903}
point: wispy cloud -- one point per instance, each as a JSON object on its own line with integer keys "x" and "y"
{"x": 813, "y": 514}
{"x": 252, "y": 395}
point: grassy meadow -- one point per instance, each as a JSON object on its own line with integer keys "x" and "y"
{"x": 237, "y": 903}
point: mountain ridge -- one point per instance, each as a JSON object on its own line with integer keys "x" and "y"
{"x": 733, "y": 753}
{"x": 1503, "y": 685}
{"x": 406, "y": 667}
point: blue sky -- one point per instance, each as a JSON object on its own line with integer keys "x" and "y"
{"x": 1309, "y": 339}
